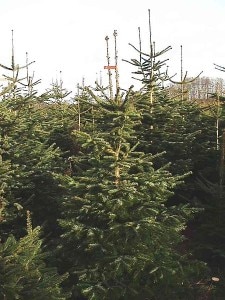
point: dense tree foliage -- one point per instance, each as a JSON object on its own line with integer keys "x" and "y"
{"x": 117, "y": 217}
{"x": 128, "y": 191}
{"x": 23, "y": 271}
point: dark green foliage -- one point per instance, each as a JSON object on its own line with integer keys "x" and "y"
{"x": 23, "y": 273}
{"x": 120, "y": 239}
{"x": 177, "y": 127}
{"x": 208, "y": 242}
{"x": 210, "y": 224}
{"x": 107, "y": 180}
{"x": 184, "y": 134}
{"x": 33, "y": 153}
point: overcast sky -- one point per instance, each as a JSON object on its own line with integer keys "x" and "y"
{"x": 69, "y": 35}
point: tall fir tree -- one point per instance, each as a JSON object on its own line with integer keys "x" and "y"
{"x": 24, "y": 154}
{"x": 120, "y": 239}
{"x": 173, "y": 126}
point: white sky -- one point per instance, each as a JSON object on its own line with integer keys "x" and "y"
{"x": 69, "y": 35}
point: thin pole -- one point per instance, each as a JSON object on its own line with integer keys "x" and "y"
{"x": 140, "y": 46}
{"x": 13, "y": 56}
{"x": 116, "y": 61}
{"x": 78, "y": 89}
{"x": 181, "y": 72}
{"x": 78, "y": 106}
{"x": 109, "y": 71}
{"x": 151, "y": 60}
{"x": 100, "y": 78}
{"x": 181, "y": 62}
{"x": 13, "y": 67}
{"x": 29, "y": 79}
{"x": 150, "y": 31}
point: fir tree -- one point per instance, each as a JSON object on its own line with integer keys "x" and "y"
{"x": 178, "y": 128}
{"x": 120, "y": 240}
{"x": 35, "y": 145}
{"x": 32, "y": 162}
{"x": 23, "y": 272}
{"x": 208, "y": 235}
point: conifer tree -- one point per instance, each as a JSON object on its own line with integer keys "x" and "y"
{"x": 32, "y": 161}
{"x": 120, "y": 240}
{"x": 173, "y": 126}
{"x": 209, "y": 229}
{"x": 23, "y": 272}
{"x": 31, "y": 130}
{"x": 27, "y": 166}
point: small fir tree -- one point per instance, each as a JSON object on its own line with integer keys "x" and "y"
{"x": 23, "y": 272}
